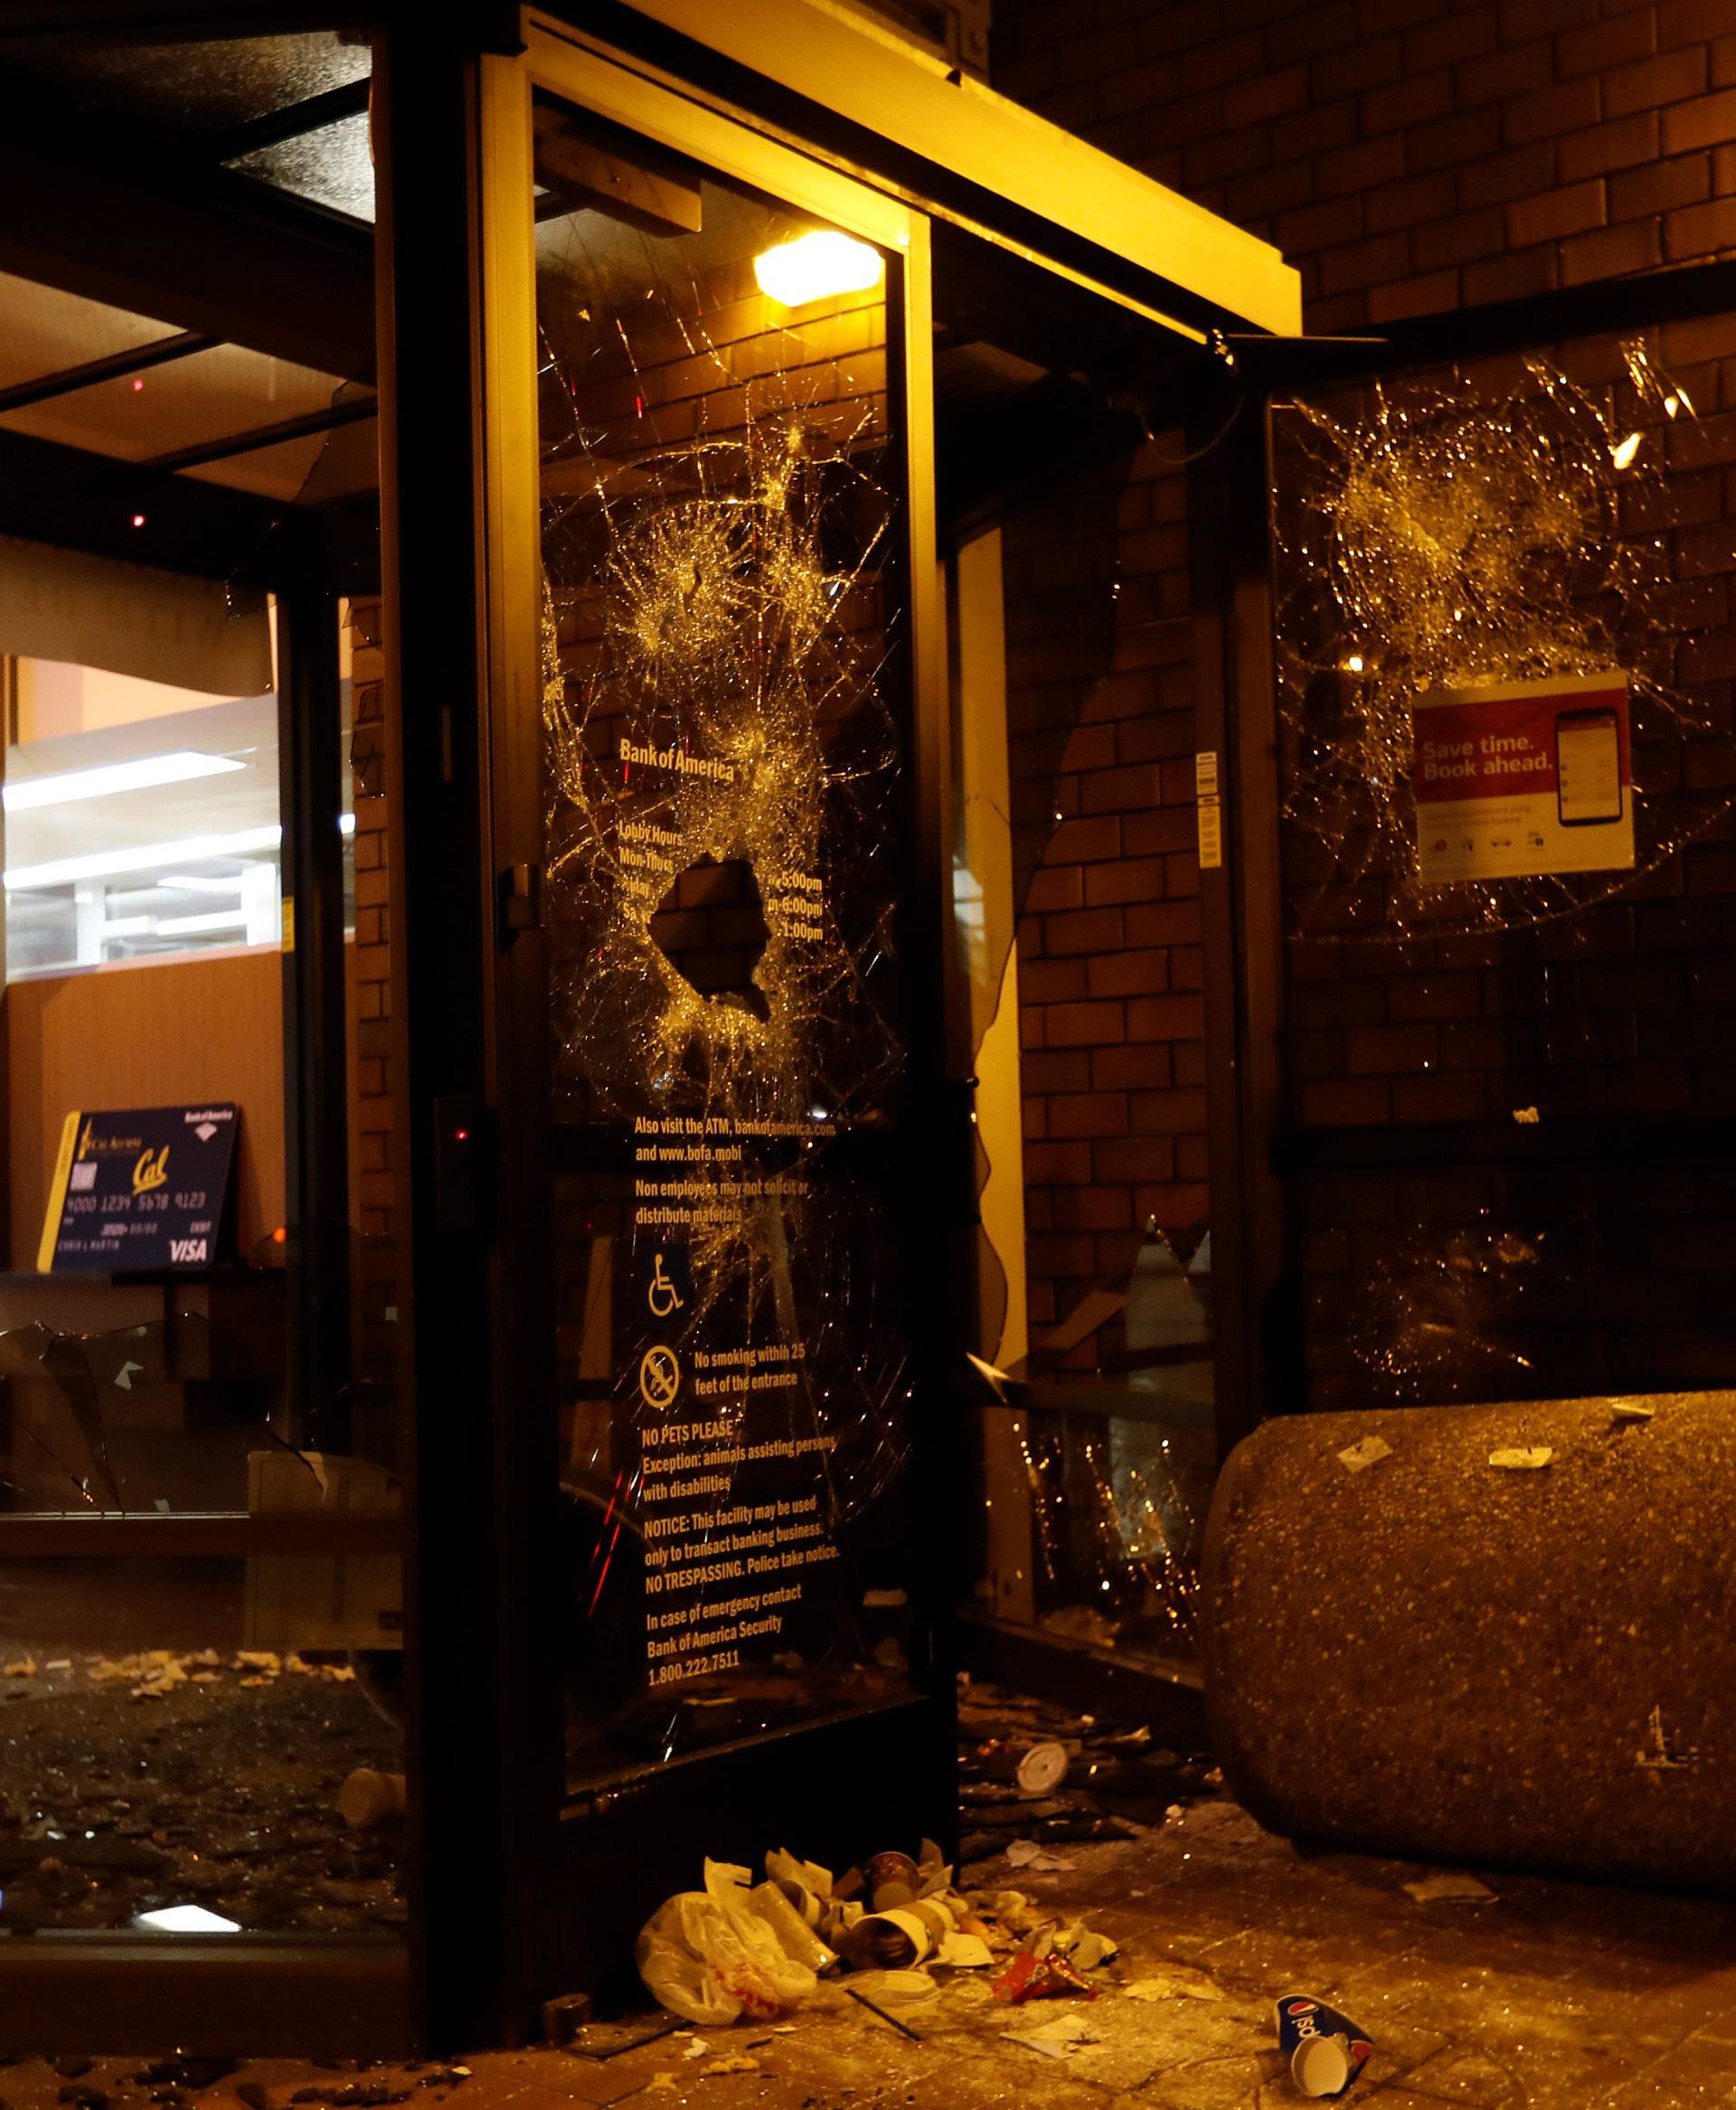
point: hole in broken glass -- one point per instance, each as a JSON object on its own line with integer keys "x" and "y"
{"x": 711, "y": 926}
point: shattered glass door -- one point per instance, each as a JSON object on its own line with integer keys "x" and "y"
{"x": 726, "y": 804}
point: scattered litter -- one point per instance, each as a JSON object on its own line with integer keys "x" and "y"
{"x": 1527, "y": 1117}
{"x": 661, "y": 2083}
{"x": 1620, "y": 1410}
{"x": 695, "y": 2047}
{"x": 1451, "y": 1887}
{"x": 565, "y": 2016}
{"x": 1326, "y": 2049}
{"x": 708, "y": 1956}
{"x": 732, "y": 2062}
{"x": 1083, "y": 1947}
{"x": 964, "y": 1952}
{"x": 1368, "y": 1452}
{"x": 1175, "y": 1982}
{"x": 1035, "y": 1769}
{"x": 1658, "y": 1754}
{"x": 1025, "y": 1853}
{"x": 1058, "y": 2037}
{"x": 875, "y": 2008}
{"x": 1037, "y": 1972}
{"x": 25, "y": 1667}
{"x": 1522, "y": 1461}
{"x": 60, "y": 1664}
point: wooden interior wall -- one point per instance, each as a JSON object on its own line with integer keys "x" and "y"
{"x": 148, "y": 1036}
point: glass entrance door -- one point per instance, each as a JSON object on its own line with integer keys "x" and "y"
{"x": 733, "y": 743}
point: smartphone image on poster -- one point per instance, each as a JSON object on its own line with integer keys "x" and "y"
{"x": 1588, "y": 767}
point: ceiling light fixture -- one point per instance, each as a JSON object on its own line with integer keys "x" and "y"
{"x": 182, "y": 767}
{"x": 816, "y": 267}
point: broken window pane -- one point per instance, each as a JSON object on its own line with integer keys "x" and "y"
{"x": 728, "y": 820}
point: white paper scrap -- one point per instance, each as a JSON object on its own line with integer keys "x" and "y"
{"x": 1451, "y": 1887}
{"x": 1368, "y": 1452}
{"x": 1056, "y": 2039}
{"x": 1522, "y": 1461}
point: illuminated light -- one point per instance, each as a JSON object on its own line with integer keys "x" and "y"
{"x": 194, "y": 882}
{"x": 194, "y": 926}
{"x": 179, "y": 768}
{"x": 138, "y": 519}
{"x": 1671, "y": 404}
{"x": 138, "y": 384}
{"x": 1354, "y": 664}
{"x": 1625, "y": 451}
{"x": 186, "y": 1919}
{"x": 62, "y": 871}
{"x": 816, "y": 267}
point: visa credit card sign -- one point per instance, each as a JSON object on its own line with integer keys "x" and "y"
{"x": 145, "y": 1189}
{"x": 1521, "y": 779}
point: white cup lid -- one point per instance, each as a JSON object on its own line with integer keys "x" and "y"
{"x": 1322, "y": 2066}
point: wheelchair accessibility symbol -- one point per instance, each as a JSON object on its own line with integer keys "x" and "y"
{"x": 659, "y": 1378}
{"x": 660, "y": 1293}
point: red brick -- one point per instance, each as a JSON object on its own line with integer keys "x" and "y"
{"x": 1514, "y": 277}
{"x": 1604, "y": 45}
{"x": 1051, "y": 981}
{"x": 1710, "y": 121}
{"x": 1165, "y": 1017}
{"x": 1673, "y": 76}
{"x": 1265, "y": 97}
{"x": 1368, "y": 63}
{"x": 1085, "y": 841}
{"x": 1093, "y": 1209}
{"x": 1163, "y": 923}
{"x": 1313, "y": 130}
{"x": 1438, "y": 1098}
{"x": 1055, "y": 887}
{"x": 1429, "y": 295}
{"x": 1127, "y": 879}
{"x": 1116, "y": 790}
{"x": 1685, "y": 21}
{"x": 1363, "y": 263}
{"x": 1041, "y": 1072}
{"x": 1086, "y": 1114}
{"x": 1081, "y": 1025}
{"x": 1514, "y": 70}
{"x": 1140, "y": 1157}
{"x": 1164, "y": 828}
{"x": 1170, "y": 1113}
{"x": 1552, "y": 215}
{"x": 1699, "y": 231}
{"x": 1663, "y": 187}
{"x": 1610, "y": 252}
{"x": 1346, "y": 1105}
{"x": 1320, "y": 227}
{"x": 1311, "y": 30}
{"x": 1569, "y": 107}
{"x": 1085, "y": 930}
{"x": 1135, "y": 973}
{"x": 1463, "y": 32}
{"x": 1359, "y": 167}
{"x": 1412, "y": 202}
{"x": 1466, "y": 137}
{"x": 1724, "y": 62}
{"x": 1496, "y": 179}
{"x": 1379, "y": 1050}
{"x": 1627, "y": 143}
{"x": 1411, "y": 101}
{"x": 1456, "y": 241}
{"x": 1208, "y": 66}
{"x": 1058, "y": 1165}
{"x": 1130, "y": 1069}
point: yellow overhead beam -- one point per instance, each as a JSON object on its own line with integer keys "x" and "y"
{"x": 911, "y": 98}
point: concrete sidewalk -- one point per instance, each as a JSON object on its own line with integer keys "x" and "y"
{"x": 1551, "y": 1996}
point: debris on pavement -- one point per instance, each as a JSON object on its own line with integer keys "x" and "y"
{"x": 1326, "y": 2049}
{"x": 1058, "y": 2037}
{"x": 1451, "y": 1887}
{"x": 1368, "y": 1452}
{"x": 1174, "y": 1982}
{"x": 1025, "y": 1853}
{"x": 1519, "y": 1459}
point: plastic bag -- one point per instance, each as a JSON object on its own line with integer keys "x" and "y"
{"x": 708, "y": 1957}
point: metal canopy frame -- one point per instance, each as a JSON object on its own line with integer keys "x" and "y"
{"x": 899, "y": 117}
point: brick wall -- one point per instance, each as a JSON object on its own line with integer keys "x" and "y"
{"x": 368, "y": 992}
{"x": 1411, "y": 156}
{"x": 1102, "y": 738}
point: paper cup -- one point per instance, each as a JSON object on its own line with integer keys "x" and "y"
{"x": 1323, "y": 2065}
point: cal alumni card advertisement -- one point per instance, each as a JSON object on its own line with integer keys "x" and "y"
{"x": 139, "y": 1190}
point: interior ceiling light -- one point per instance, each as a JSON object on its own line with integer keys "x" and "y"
{"x": 212, "y": 919}
{"x": 186, "y": 1919}
{"x": 62, "y": 871}
{"x": 180, "y": 768}
{"x": 194, "y": 882}
{"x": 816, "y": 267}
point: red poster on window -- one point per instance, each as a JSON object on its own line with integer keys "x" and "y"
{"x": 1524, "y": 778}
